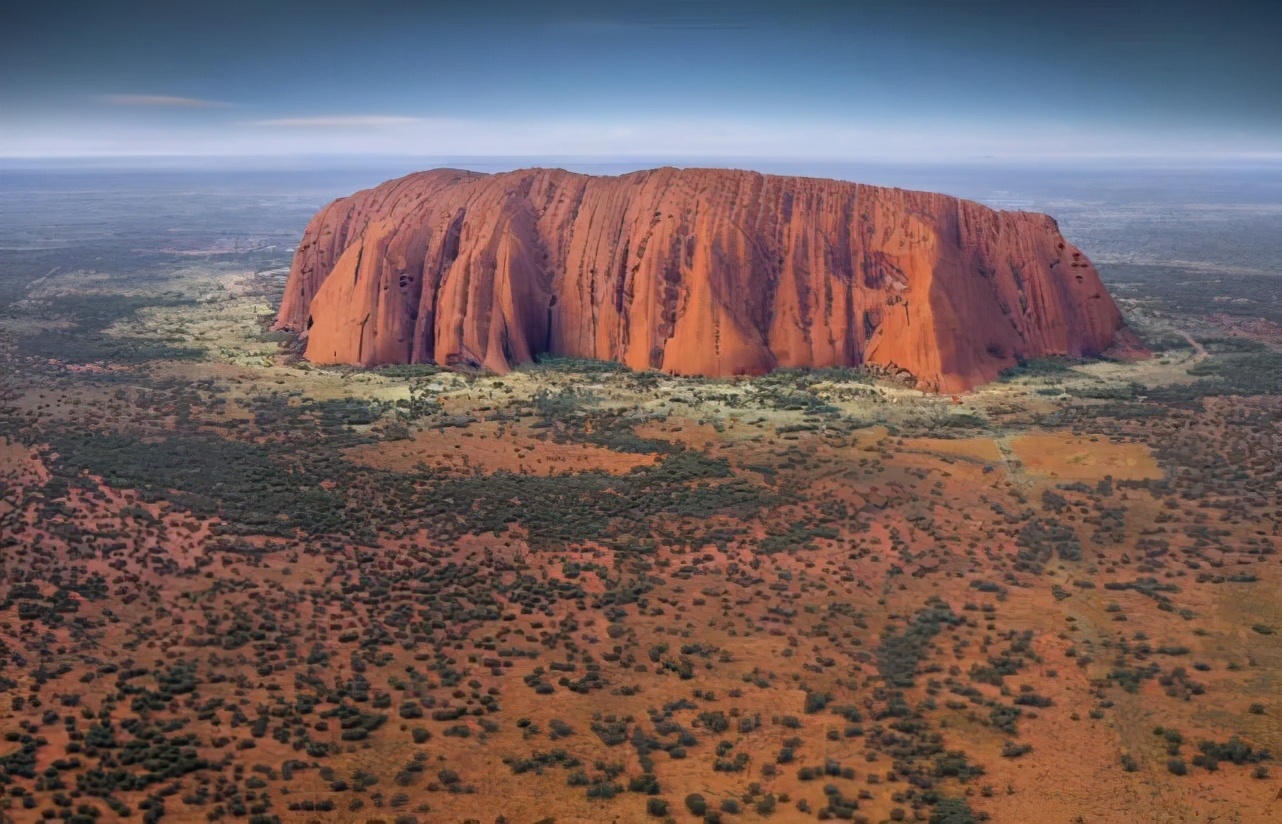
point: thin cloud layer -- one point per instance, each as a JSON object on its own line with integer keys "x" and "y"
{"x": 716, "y": 140}
{"x": 162, "y": 101}
{"x": 360, "y": 121}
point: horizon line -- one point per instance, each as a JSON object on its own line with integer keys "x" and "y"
{"x": 1239, "y": 158}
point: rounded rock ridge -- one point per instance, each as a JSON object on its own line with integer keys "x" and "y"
{"x": 711, "y": 272}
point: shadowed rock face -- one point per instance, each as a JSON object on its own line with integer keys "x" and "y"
{"x": 692, "y": 271}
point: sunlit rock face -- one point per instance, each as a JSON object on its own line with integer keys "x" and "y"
{"x": 690, "y": 271}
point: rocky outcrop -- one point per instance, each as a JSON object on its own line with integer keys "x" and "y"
{"x": 691, "y": 271}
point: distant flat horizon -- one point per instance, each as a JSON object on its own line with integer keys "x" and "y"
{"x": 322, "y": 162}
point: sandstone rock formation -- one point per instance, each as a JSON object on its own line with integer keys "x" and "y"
{"x": 691, "y": 271}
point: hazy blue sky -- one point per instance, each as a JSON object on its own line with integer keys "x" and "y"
{"x": 888, "y": 79}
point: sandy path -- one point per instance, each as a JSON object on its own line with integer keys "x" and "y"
{"x": 1199, "y": 351}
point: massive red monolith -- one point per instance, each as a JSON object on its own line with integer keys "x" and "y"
{"x": 691, "y": 271}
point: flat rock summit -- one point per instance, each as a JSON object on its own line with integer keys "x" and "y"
{"x": 690, "y": 271}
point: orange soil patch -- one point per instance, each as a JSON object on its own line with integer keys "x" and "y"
{"x": 695, "y": 435}
{"x": 973, "y": 449}
{"x": 1083, "y": 457}
{"x": 491, "y": 447}
{"x": 20, "y": 463}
